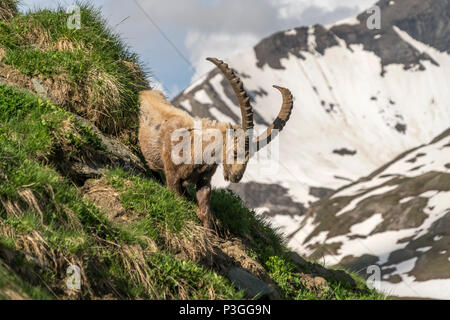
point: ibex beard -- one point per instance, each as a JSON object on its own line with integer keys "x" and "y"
{"x": 165, "y": 129}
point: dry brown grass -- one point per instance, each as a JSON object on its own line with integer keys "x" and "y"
{"x": 65, "y": 44}
{"x": 43, "y": 258}
{"x": 2, "y": 53}
{"x": 8, "y": 9}
{"x": 192, "y": 243}
{"x": 27, "y": 200}
{"x": 101, "y": 84}
{"x": 35, "y": 248}
{"x": 39, "y": 36}
{"x": 103, "y": 91}
{"x": 13, "y": 77}
{"x": 134, "y": 262}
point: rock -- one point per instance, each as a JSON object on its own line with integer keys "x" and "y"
{"x": 342, "y": 276}
{"x": 299, "y": 261}
{"x": 38, "y": 87}
{"x": 319, "y": 272}
{"x": 251, "y": 285}
{"x": 321, "y": 283}
{"x": 92, "y": 164}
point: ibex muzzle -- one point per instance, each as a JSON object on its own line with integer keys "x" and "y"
{"x": 159, "y": 120}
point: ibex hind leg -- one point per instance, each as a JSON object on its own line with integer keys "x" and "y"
{"x": 187, "y": 190}
{"x": 203, "y": 198}
{"x": 175, "y": 184}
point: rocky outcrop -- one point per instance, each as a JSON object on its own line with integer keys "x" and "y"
{"x": 251, "y": 285}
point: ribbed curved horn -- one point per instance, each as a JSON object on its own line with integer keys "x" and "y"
{"x": 238, "y": 87}
{"x": 280, "y": 121}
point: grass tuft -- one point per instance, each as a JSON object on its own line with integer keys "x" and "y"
{"x": 8, "y": 9}
{"x": 88, "y": 71}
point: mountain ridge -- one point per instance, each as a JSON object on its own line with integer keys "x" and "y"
{"x": 363, "y": 99}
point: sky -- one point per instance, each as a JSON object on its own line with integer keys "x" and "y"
{"x": 173, "y": 37}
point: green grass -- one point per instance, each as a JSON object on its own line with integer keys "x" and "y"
{"x": 66, "y": 227}
{"x": 158, "y": 207}
{"x": 172, "y": 273}
{"x": 94, "y": 73}
{"x": 162, "y": 209}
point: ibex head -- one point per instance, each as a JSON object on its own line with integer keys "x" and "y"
{"x": 235, "y": 170}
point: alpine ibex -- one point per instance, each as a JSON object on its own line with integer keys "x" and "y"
{"x": 159, "y": 120}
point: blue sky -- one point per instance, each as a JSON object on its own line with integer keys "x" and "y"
{"x": 201, "y": 28}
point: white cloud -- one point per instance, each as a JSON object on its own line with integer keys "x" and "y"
{"x": 220, "y": 45}
{"x": 156, "y": 85}
{"x": 292, "y": 8}
{"x": 234, "y": 26}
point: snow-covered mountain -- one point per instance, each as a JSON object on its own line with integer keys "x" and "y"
{"x": 362, "y": 98}
{"x": 398, "y": 218}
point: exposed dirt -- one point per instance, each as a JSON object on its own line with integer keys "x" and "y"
{"x": 107, "y": 199}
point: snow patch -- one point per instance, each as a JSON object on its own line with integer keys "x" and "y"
{"x": 348, "y": 21}
{"x": 291, "y": 32}
{"x": 367, "y": 226}
{"x": 429, "y": 194}
{"x": 216, "y": 83}
{"x": 424, "y": 249}
{"x": 311, "y": 40}
{"x": 219, "y": 115}
{"x": 352, "y": 205}
{"x": 202, "y": 97}
{"x": 404, "y": 200}
{"x": 195, "y": 84}
{"x": 186, "y": 104}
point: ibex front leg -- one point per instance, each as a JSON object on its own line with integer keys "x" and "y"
{"x": 174, "y": 183}
{"x": 203, "y": 197}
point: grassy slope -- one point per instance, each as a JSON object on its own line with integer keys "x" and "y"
{"x": 159, "y": 252}
{"x": 90, "y": 71}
